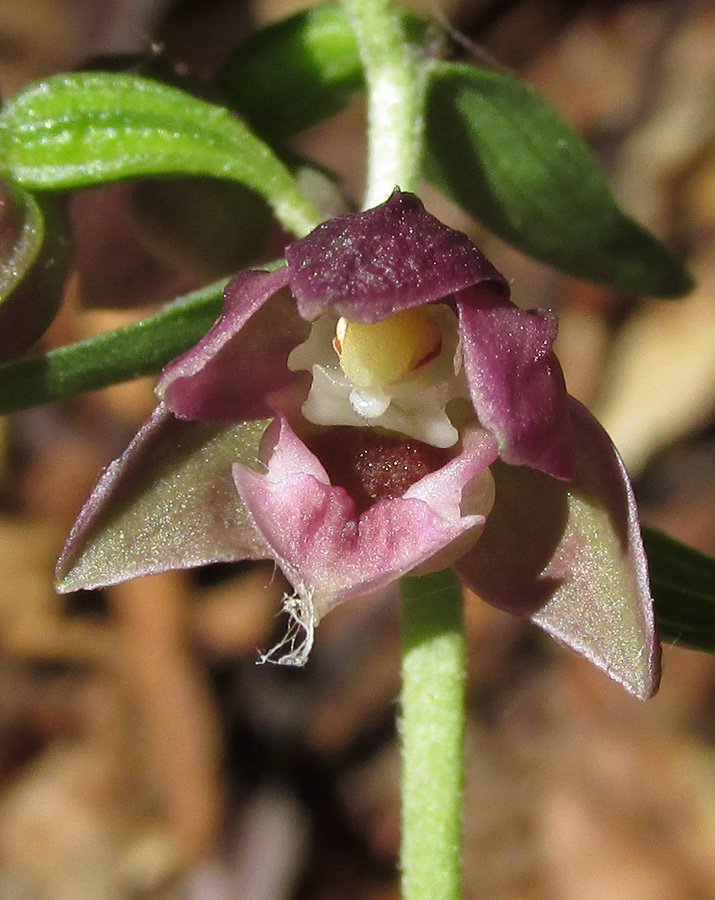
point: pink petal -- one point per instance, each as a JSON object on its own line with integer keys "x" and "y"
{"x": 515, "y": 380}
{"x": 229, "y": 375}
{"x": 570, "y": 557}
{"x": 328, "y": 553}
{"x": 369, "y": 265}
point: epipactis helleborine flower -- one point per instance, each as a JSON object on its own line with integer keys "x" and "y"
{"x": 376, "y": 407}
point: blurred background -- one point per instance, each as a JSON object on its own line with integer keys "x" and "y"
{"x": 143, "y": 753}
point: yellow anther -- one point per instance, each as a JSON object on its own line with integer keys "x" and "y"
{"x": 374, "y": 356}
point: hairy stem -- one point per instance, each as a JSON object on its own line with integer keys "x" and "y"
{"x": 395, "y": 94}
{"x": 432, "y": 729}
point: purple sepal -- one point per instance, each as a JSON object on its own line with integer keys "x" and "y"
{"x": 570, "y": 557}
{"x": 369, "y": 265}
{"x": 515, "y": 381}
{"x": 231, "y": 373}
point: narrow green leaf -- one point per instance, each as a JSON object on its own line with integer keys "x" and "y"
{"x": 111, "y": 357}
{"x": 89, "y": 128}
{"x": 683, "y": 583}
{"x": 500, "y": 151}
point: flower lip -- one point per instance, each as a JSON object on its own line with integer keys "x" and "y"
{"x": 372, "y": 464}
{"x": 326, "y": 548}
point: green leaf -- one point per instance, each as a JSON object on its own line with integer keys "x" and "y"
{"x": 319, "y": 72}
{"x": 502, "y": 152}
{"x": 111, "y": 357}
{"x": 683, "y": 582}
{"x": 33, "y": 264}
{"x": 90, "y": 128}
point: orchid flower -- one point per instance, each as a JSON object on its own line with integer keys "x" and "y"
{"x": 378, "y": 406}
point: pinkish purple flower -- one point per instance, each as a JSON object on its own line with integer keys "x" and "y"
{"x": 376, "y": 407}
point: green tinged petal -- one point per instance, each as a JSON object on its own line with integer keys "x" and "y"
{"x": 167, "y": 503}
{"x": 570, "y": 558}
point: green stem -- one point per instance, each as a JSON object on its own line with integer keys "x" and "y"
{"x": 395, "y": 94}
{"x": 432, "y": 728}
{"x": 111, "y": 357}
